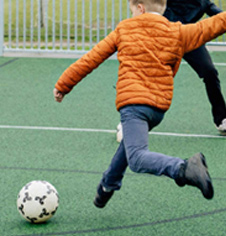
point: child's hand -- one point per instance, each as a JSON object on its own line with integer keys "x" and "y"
{"x": 58, "y": 95}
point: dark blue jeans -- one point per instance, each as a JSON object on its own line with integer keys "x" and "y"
{"x": 137, "y": 121}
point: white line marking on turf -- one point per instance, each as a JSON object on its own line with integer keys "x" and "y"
{"x": 219, "y": 64}
{"x": 188, "y": 135}
{"x": 56, "y": 128}
{"x": 106, "y": 131}
{"x": 215, "y": 63}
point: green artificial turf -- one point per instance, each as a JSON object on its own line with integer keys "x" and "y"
{"x": 73, "y": 161}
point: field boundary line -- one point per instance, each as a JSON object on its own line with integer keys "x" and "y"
{"x": 105, "y": 131}
{"x": 215, "y": 63}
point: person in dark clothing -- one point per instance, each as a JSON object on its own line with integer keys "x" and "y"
{"x": 190, "y": 11}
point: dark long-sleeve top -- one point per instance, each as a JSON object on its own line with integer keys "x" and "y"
{"x": 189, "y": 11}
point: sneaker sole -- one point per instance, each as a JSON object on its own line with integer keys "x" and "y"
{"x": 209, "y": 194}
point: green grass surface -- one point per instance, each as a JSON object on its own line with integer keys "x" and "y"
{"x": 74, "y": 161}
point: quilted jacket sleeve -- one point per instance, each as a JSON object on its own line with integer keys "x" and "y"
{"x": 82, "y": 67}
{"x": 195, "y": 35}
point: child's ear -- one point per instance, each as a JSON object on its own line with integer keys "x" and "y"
{"x": 141, "y": 8}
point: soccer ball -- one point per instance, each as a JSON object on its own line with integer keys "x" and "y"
{"x": 37, "y": 201}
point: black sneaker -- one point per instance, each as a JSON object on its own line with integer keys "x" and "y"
{"x": 102, "y": 197}
{"x": 194, "y": 172}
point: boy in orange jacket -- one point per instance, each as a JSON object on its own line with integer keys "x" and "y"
{"x": 150, "y": 49}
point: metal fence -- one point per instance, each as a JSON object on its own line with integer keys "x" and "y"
{"x": 65, "y": 26}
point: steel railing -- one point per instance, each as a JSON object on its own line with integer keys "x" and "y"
{"x": 65, "y": 26}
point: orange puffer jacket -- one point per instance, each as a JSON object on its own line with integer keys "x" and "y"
{"x": 150, "y": 49}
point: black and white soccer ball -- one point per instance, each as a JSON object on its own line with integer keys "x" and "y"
{"x": 37, "y": 201}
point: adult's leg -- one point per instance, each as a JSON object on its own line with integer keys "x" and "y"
{"x": 201, "y": 62}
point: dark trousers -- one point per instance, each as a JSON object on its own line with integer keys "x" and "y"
{"x": 137, "y": 121}
{"x": 201, "y": 62}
